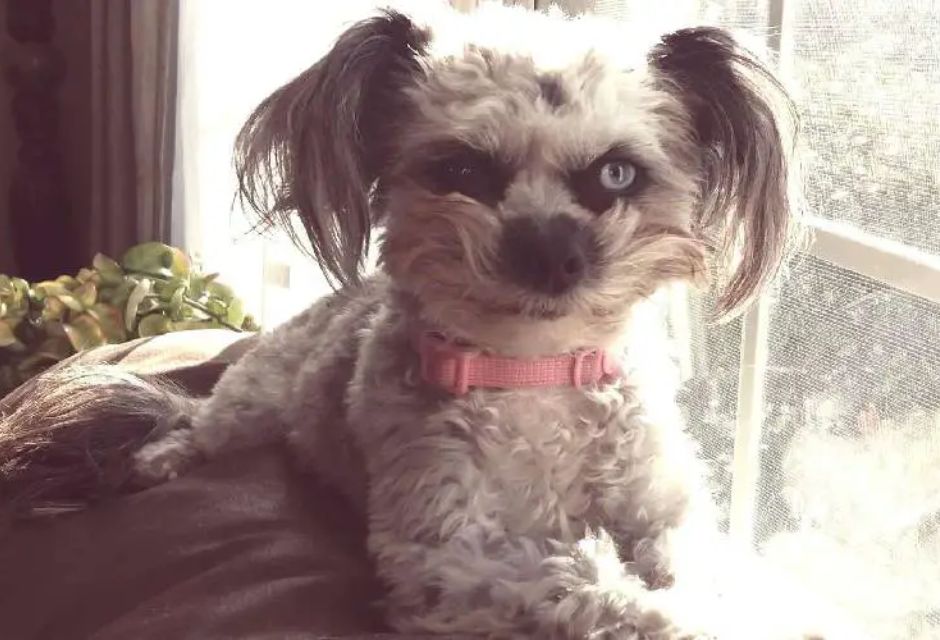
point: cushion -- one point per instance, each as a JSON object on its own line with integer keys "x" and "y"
{"x": 243, "y": 547}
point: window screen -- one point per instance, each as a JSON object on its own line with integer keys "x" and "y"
{"x": 868, "y": 82}
{"x": 849, "y": 490}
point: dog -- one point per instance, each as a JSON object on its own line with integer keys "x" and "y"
{"x": 488, "y": 399}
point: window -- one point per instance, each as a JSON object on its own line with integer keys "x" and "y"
{"x": 233, "y": 53}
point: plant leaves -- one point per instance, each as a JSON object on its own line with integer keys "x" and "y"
{"x": 71, "y": 302}
{"x": 157, "y": 258}
{"x": 52, "y": 309}
{"x": 217, "y": 308}
{"x": 119, "y": 295}
{"x": 84, "y": 332}
{"x": 104, "y": 264}
{"x": 110, "y": 271}
{"x": 150, "y": 304}
{"x": 176, "y": 303}
{"x": 20, "y": 290}
{"x": 220, "y": 291}
{"x": 86, "y": 294}
{"x": 133, "y": 303}
{"x": 190, "y": 325}
{"x": 111, "y": 322}
{"x": 169, "y": 288}
{"x": 153, "y": 325}
{"x": 235, "y": 314}
{"x": 88, "y": 275}
{"x": 164, "y": 291}
{"x": 180, "y": 264}
{"x": 67, "y": 281}
{"x": 48, "y": 288}
{"x": 7, "y": 338}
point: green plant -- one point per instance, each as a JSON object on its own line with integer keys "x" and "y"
{"x": 153, "y": 290}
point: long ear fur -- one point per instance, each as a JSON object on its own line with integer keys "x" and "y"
{"x": 744, "y": 122}
{"x": 317, "y": 146}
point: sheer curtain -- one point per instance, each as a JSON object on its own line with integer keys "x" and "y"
{"x": 233, "y": 53}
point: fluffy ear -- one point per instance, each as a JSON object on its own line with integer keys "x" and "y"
{"x": 318, "y": 145}
{"x": 744, "y": 123}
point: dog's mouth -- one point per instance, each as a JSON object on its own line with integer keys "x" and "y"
{"x": 527, "y": 309}
{"x": 535, "y": 313}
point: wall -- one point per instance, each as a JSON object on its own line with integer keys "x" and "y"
{"x": 73, "y": 38}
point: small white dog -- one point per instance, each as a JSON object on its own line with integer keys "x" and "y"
{"x": 523, "y": 471}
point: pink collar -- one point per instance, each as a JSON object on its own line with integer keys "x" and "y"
{"x": 457, "y": 369}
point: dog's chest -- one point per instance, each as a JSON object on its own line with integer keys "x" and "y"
{"x": 540, "y": 455}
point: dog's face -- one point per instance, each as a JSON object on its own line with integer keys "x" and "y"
{"x": 526, "y": 204}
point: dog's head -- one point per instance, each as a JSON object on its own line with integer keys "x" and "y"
{"x": 532, "y": 191}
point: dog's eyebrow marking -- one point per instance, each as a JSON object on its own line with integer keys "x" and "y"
{"x": 551, "y": 90}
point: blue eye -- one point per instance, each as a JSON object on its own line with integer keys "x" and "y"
{"x": 610, "y": 179}
{"x": 617, "y": 175}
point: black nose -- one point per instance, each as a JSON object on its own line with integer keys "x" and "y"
{"x": 549, "y": 256}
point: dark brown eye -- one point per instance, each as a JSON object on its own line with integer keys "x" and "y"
{"x": 470, "y": 172}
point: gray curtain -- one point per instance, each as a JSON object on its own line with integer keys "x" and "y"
{"x": 134, "y": 78}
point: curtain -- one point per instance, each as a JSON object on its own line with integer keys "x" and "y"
{"x": 221, "y": 80}
{"x": 134, "y": 69}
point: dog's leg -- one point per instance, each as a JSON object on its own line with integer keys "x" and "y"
{"x": 651, "y": 495}
{"x": 245, "y": 410}
{"x": 293, "y": 379}
{"x": 452, "y": 566}
{"x": 481, "y": 582}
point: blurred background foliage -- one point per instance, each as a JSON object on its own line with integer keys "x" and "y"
{"x": 154, "y": 289}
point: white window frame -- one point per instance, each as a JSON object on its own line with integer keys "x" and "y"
{"x": 895, "y": 264}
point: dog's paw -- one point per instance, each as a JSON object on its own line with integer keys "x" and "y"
{"x": 596, "y": 613}
{"x": 659, "y": 578}
{"x": 166, "y": 459}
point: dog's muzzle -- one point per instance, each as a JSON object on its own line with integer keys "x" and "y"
{"x": 550, "y": 256}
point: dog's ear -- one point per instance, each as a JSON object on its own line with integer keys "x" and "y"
{"x": 316, "y": 147}
{"x": 745, "y": 125}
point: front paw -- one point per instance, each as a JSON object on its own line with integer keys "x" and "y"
{"x": 597, "y": 615}
{"x": 658, "y": 578}
{"x": 652, "y": 562}
{"x": 166, "y": 458}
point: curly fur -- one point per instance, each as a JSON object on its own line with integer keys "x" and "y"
{"x": 550, "y": 513}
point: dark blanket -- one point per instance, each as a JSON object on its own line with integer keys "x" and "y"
{"x": 244, "y": 547}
